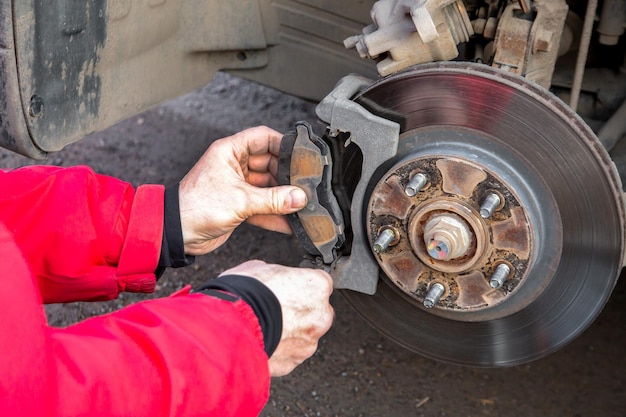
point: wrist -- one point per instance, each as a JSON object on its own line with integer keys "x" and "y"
{"x": 259, "y": 297}
{"x": 172, "y": 246}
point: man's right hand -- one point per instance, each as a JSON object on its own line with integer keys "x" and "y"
{"x": 235, "y": 181}
{"x": 307, "y": 314}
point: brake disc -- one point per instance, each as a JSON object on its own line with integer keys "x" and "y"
{"x": 497, "y": 226}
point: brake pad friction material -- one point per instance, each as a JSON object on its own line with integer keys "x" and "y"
{"x": 305, "y": 161}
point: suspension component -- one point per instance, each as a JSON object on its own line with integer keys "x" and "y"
{"x": 409, "y": 32}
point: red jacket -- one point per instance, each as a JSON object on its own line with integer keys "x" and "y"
{"x": 67, "y": 234}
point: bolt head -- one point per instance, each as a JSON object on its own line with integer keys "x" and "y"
{"x": 438, "y": 247}
{"x": 35, "y": 107}
{"x": 447, "y": 237}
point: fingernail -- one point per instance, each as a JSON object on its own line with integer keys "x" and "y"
{"x": 298, "y": 198}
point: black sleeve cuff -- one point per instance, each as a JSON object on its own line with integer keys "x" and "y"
{"x": 172, "y": 246}
{"x": 260, "y": 298}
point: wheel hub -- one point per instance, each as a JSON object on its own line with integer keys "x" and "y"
{"x": 443, "y": 238}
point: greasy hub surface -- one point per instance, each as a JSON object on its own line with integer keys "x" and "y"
{"x": 561, "y": 192}
{"x": 451, "y": 200}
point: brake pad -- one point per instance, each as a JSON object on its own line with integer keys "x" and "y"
{"x": 305, "y": 161}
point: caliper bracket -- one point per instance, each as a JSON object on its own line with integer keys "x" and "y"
{"x": 305, "y": 161}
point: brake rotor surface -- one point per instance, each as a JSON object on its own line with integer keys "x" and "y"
{"x": 473, "y": 130}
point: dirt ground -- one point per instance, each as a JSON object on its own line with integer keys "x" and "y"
{"x": 356, "y": 372}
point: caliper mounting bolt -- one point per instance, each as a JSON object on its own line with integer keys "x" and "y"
{"x": 489, "y": 206}
{"x": 433, "y": 295}
{"x": 384, "y": 240}
{"x": 499, "y": 276}
{"x": 415, "y": 185}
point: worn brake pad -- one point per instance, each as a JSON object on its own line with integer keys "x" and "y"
{"x": 305, "y": 161}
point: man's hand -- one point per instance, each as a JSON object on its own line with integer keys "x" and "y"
{"x": 307, "y": 314}
{"x": 235, "y": 181}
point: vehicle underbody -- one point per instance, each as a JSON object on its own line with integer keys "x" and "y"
{"x": 466, "y": 194}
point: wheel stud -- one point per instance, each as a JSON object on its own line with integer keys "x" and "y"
{"x": 489, "y": 206}
{"x": 499, "y": 276}
{"x": 433, "y": 295}
{"x": 384, "y": 240}
{"x": 415, "y": 185}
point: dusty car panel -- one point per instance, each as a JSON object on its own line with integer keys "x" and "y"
{"x": 82, "y": 66}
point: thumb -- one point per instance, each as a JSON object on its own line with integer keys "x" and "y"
{"x": 283, "y": 199}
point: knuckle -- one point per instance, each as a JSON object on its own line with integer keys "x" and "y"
{"x": 329, "y": 284}
{"x": 326, "y": 285}
{"x": 273, "y": 204}
{"x": 326, "y": 320}
{"x": 254, "y": 263}
{"x": 323, "y": 281}
{"x": 309, "y": 350}
{"x": 279, "y": 202}
{"x": 220, "y": 144}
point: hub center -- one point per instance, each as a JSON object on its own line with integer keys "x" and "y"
{"x": 447, "y": 236}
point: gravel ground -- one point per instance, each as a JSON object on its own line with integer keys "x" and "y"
{"x": 356, "y": 372}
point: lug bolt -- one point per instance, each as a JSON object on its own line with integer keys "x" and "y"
{"x": 415, "y": 185}
{"x": 490, "y": 205}
{"x": 384, "y": 239}
{"x": 499, "y": 275}
{"x": 433, "y": 295}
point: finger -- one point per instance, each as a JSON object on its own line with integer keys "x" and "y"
{"x": 274, "y": 200}
{"x": 301, "y": 347}
{"x": 259, "y": 179}
{"x": 263, "y": 163}
{"x": 281, "y": 367}
{"x": 272, "y": 222}
{"x": 247, "y": 266}
{"x": 259, "y": 140}
{"x": 330, "y": 312}
{"x": 273, "y": 167}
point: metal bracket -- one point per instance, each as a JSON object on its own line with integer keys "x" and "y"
{"x": 378, "y": 139}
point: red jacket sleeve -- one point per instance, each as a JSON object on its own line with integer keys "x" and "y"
{"x": 181, "y": 356}
{"x": 85, "y": 236}
{"x": 187, "y": 355}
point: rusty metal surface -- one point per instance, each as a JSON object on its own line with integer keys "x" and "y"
{"x": 568, "y": 190}
{"x": 456, "y": 188}
{"x": 305, "y": 162}
{"x": 410, "y": 32}
{"x": 527, "y": 37}
{"x": 512, "y": 41}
